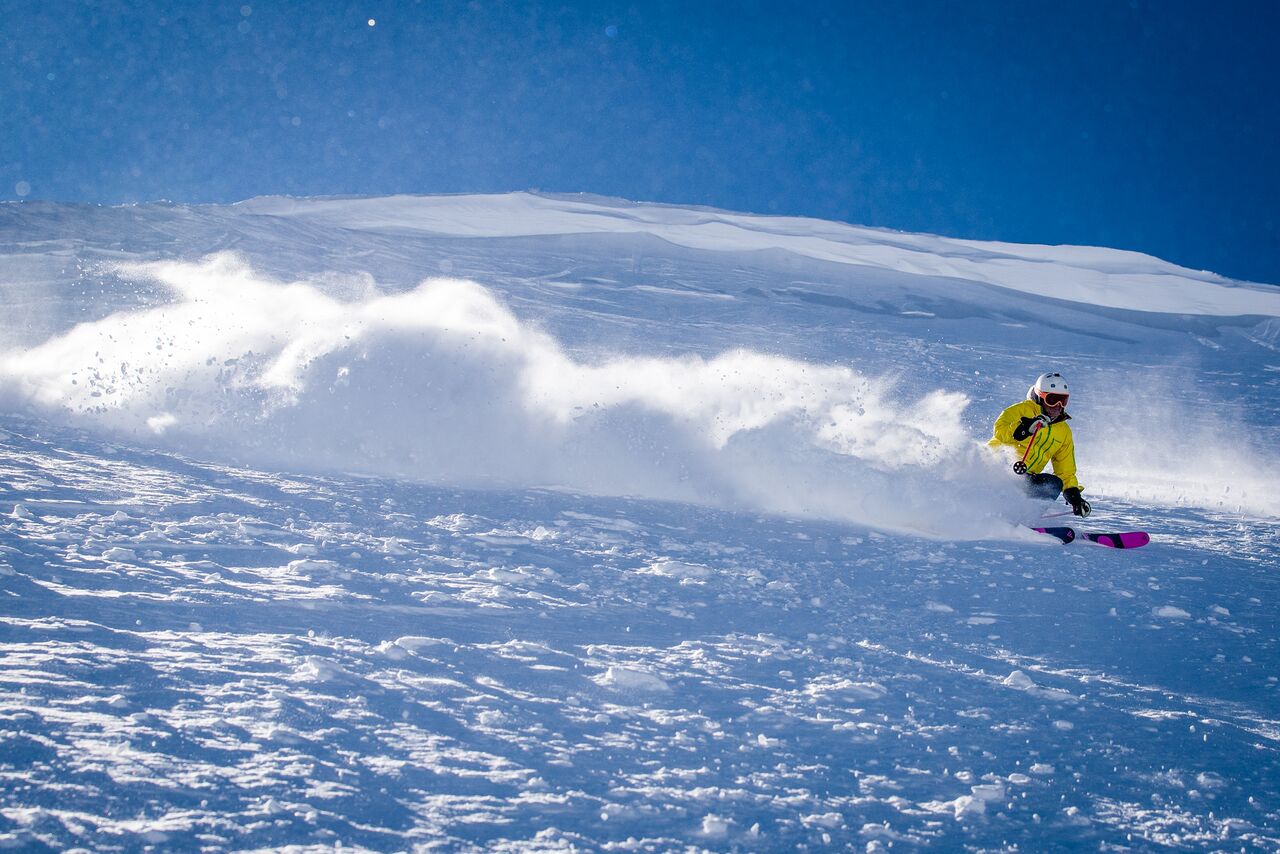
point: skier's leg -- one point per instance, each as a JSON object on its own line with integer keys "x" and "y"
{"x": 1046, "y": 486}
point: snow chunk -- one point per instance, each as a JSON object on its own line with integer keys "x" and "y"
{"x": 965, "y": 806}
{"x": 415, "y": 643}
{"x": 628, "y": 679}
{"x": 540, "y": 533}
{"x": 1169, "y": 612}
{"x": 845, "y": 689}
{"x": 308, "y": 567}
{"x": 939, "y": 608}
{"x": 832, "y": 820}
{"x": 491, "y": 718}
{"x": 1019, "y": 681}
{"x": 676, "y": 569}
{"x": 21, "y": 512}
{"x": 715, "y": 827}
{"x": 971, "y": 805}
{"x": 317, "y": 669}
{"x": 394, "y": 546}
{"x": 392, "y": 650}
{"x": 121, "y": 554}
{"x": 988, "y": 791}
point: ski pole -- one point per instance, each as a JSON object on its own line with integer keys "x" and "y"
{"x": 1056, "y": 515}
{"x": 1020, "y": 467}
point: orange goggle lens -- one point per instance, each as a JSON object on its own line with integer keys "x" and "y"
{"x": 1052, "y": 399}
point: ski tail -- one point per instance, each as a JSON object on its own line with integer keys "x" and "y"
{"x": 1064, "y": 535}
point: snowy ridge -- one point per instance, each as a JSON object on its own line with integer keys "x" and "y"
{"x": 525, "y": 523}
{"x": 1101, "y": 277}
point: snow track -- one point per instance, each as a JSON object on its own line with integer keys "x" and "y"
{"x": 244, "y": 659}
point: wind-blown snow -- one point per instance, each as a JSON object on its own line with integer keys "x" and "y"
{"x": 531, "y": 523}
{"x": 443, "y": 383}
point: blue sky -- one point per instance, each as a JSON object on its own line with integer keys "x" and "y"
{"x": 1147, "y": 126}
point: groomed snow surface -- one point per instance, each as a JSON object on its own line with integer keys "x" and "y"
{"x": 533, "y": 523}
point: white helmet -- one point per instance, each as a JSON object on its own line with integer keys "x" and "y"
{"x": 1053, "y": 386}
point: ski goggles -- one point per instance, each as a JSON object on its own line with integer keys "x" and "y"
{"x": 1054, "y": 399}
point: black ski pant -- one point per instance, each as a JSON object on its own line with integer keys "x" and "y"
{"x": 1046, "y": 486}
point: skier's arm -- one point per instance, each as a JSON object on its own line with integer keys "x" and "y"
{"x": 1002, "y": 432}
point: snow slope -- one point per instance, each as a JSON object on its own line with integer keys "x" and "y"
{"x": 528, "y": 522}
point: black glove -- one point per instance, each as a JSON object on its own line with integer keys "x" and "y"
{"x": 1079, "y": 506}
{"x": 1028, "y": 425}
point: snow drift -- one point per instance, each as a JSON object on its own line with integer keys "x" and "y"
{"x": 1090, "y": 275}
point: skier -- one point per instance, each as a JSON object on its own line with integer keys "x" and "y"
{"x": 1037, "y": 429}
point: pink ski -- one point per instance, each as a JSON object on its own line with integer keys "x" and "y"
{"x": 1065, "y": 535}
{"x": 1121, "y": 540}
{"x": 1124, "y": 540}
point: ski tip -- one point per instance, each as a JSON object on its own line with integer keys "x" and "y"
{"x": 1123, "y": 540}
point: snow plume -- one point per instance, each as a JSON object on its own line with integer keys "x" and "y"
{"x": 1205, "y": 459}
{"x": 443, "y": 383}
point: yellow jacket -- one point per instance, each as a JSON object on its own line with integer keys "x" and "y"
{"x": 1049, "y": 444}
